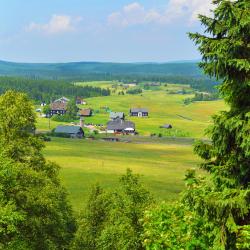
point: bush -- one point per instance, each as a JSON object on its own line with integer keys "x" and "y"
{"x": 134, "y": 91}
{"x": 63, "y": 118}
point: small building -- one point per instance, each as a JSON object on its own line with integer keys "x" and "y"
{"x": 167, "y": 126}
{"x": 155, "y": 84}
{"x": 58, "y": 108}
{"x": 121, "y": 127}
{"x": 85, "y": 112}
{"x": 111, "y": 139}
{"x": 132, "y": 84}
{"x": 116, "y": 115}
{"x": 80, "y": 101}
{"x": 72, "y": 131}
{"x": 43, "y": 104}
{"x": 139, "y": 112}
{"x": 62, "y": 100}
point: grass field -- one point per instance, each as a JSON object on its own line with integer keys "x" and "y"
{"x": 187, "y": 120}
{"x": 86, "y": 162}
{"x": 161, "y": 161}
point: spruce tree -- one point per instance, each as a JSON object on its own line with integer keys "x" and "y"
{"x": 225, "y": 50}
{"x": 214, "y": 212}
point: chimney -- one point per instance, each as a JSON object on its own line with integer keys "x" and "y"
{"x": 81, "y": 121}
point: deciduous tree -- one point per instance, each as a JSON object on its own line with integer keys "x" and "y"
{"x": 34, "y": 211}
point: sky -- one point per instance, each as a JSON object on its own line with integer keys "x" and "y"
{"x": 99, "y": 30}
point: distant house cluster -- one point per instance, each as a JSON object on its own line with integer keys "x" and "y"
{"x": 59, "y": 106}
{"x": 118, "y": 124}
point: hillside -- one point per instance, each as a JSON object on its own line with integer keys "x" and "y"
{"x": 83, "y": 69}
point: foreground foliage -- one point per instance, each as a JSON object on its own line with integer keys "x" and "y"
{"x": 34, "y": 212}
{"x": 112, "y": 220}
{"x": 218, "y": 207}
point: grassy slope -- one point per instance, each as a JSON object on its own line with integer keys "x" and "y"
{"x": 188, "y": 120}
{"x": 164, "y": 108}
{"x": 86, "y": 162}
{"x": 163, "y": 166}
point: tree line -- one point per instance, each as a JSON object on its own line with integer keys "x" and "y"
{"x": 48, "y": 90}
{"x": 199, "y": 96}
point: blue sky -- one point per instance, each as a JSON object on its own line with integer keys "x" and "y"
{"x": 99, "y": 30}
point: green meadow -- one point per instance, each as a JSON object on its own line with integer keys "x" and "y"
{"x": 86, "y": 162}
{"x": 187, "y": 120}
{"x": 162, "y": 162}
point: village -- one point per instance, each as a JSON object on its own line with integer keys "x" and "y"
{"x": 117, "y": 124}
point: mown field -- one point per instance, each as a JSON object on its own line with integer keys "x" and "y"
{"x": 86, "y": 162}
{"x": 164, "y": 107}
{"x": 161, "y": 161}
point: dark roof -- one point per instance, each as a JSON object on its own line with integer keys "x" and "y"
{"x": 136, "y": 110}
{"x": 85, "y": 112}
{"x": 120, "y": 124}
{"x": 78, "y": 98}
{"x": 166, "y": 126}
{"x": 116, "y": 115}
{"x": 58, "y": 106}
{"x": 68, "y": 129}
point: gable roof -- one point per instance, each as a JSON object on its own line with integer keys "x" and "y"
{"x": 68, "y": 129}
{"x": 136, "y": 110}
{"x": 58, "y": 106}
{"x": 62, "y": 99}
{"x": 85, "y": 112}
{"x": 116, "y": 115}
{"x": 120, "y": 124}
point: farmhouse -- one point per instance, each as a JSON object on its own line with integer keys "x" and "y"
{"x": 58, "y": 108}
{"x": 85, "y": 112}
{"x": 152, "y": 84}
{"x": 79, "y": 101}
{"x": 72, "y": 131}
{"x": 116, "y": 115}
{"x": 139, "y": 112}
{"x": 62, "y": 100}
{"x": 121, "y": 126}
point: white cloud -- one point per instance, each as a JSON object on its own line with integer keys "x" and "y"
{"x": 131, "y": 14}
{"x": 133, "y": 7}
{"x": 57, "y": 24}
{"x": 189, "y": 9}
{"x": 184, "y": 10}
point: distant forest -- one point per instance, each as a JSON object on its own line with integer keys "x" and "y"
{"x": 47, "y": 90}
{"x": 94, "y": 70}
{"x": 44, "y": 81}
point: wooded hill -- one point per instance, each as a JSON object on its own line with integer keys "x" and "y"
{"x": 180, "y": 73}
{"x": 47, "y": 90}
{"x": 82, "y": 69}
